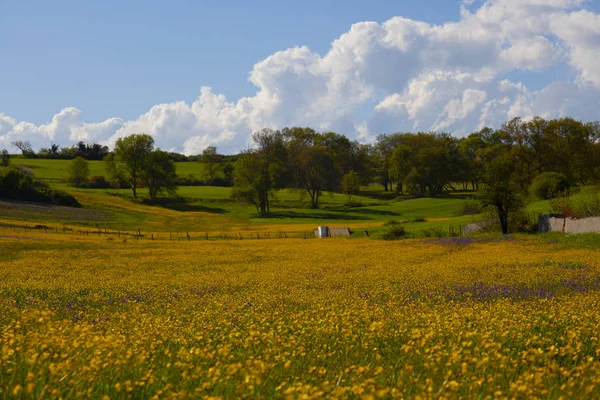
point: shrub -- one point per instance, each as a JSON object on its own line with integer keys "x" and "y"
{"x": 588, "y": 205}
{"x": 4, "y": 158}
{"x": 434, "y": 231}
{"x": 391, "y": 223}
{"x": 470, "y": 207}
{"x": 57, "y": 197}
{"x": 78, "y": 171}
{"x": 393, "y": 232}
{"x": 562, "y": 204}
{"x": 98, "y": 182}
{"x": 14, "y": 180}
{"x": 18, "y": 183}
{"x": 548, "y": 185}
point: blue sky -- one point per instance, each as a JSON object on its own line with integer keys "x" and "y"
{"x": 97, "y": 70}
{"x": 104, "y": 57}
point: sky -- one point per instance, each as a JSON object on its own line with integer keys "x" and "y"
{"x": 198, "y": 73}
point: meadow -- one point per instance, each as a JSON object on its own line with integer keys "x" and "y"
{"x": 487, "y": 317}
{"x": 87, "y": 310}
{"x": 211, "y": 209}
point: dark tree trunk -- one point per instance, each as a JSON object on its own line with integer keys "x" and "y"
{"x": 503, "y": 216}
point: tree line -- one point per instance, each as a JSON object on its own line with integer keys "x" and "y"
{"x": 501, "y": 165}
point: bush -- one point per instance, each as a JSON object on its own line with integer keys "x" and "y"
{"x": 14, "y": 180}
{"x": 78, "y": 171}
{"x": 393, "y": 232}
{"x": 548, "y": 185}
{"x": 434, "y": 231}
{"x": 470, "y": 207}
{"x": 4, "y": 158}
{"x": 98, "y": 182}
{"x": 18, "y": 183}
{"x": 57, "y": 197}
{"x": 588, "y": 205}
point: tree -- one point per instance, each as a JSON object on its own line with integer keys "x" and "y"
{"x": 78, "y": 171}
{"x": 501, "y": 188}
{"x": 16, "y": 182}
{"x": 350, "y": 184}
{"x": 133, "y": 152}
{"x": 159, "y": 174}
{"x": 117, "y": 174}
{"x": 24, "y": 146}
{"x": 248, "y": 186}
{"x": 317, "y": 172}
{"x": 400, "y": 165}
{"x": 5, "y": 158}
{"x": 211, "y": 160}
{"x": 257, "y": 173}
{"x": 228, "y": 173}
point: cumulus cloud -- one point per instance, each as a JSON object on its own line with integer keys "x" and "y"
{"x": 400, "y": 75}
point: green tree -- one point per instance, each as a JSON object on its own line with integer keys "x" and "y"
{"x": 248, "y": 186}
{"x": 228, "y": 173}
{"x": 400, "y": 165}
{"x": 211, "y": 160}
{"x": 548, "y": 185}
{"x": 116, "y": 172}
{"x": 159, "y": 174}
{"x": 350, "y": 184}
{"x": 501, "y": 189}
{"x": 317, "y": 172}
{"x": 78, "y": 171}
{"x": 133, "y": 152}
{"x": 5, "y": 158}
{"x": 257, "y": 172}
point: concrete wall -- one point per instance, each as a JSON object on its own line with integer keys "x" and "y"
{"x": 549, "y": 223}
{"x": 333, "y": 232}
{"x": 339, "y": 232}
{"x": 477, "y": 226}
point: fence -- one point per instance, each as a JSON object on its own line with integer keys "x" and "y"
{"x": 162, "y": 235}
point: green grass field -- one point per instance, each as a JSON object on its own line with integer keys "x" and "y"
{"x": 206, "y": 208}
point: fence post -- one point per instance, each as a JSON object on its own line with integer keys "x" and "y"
{"x": 188, "y": 236}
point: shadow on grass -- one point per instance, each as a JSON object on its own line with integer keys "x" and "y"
{"x": 182, "y": 204}
{"x": 362, "y": 210}
{"x": 314, "y": 215}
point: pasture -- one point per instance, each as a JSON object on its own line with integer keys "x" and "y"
{"x": 211, "y": 209}
{"x": 97, "y": 317}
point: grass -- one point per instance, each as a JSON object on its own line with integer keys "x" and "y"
{"x": 206, "y": 209}
{"x": 55, "y": 171}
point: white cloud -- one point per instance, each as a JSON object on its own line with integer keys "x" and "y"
{"x": 396, "y": 76}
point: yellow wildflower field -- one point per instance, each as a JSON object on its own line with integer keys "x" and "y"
{"x": 88, "y": 317}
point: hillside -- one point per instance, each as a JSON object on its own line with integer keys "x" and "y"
{"x": 211, "y": 209}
